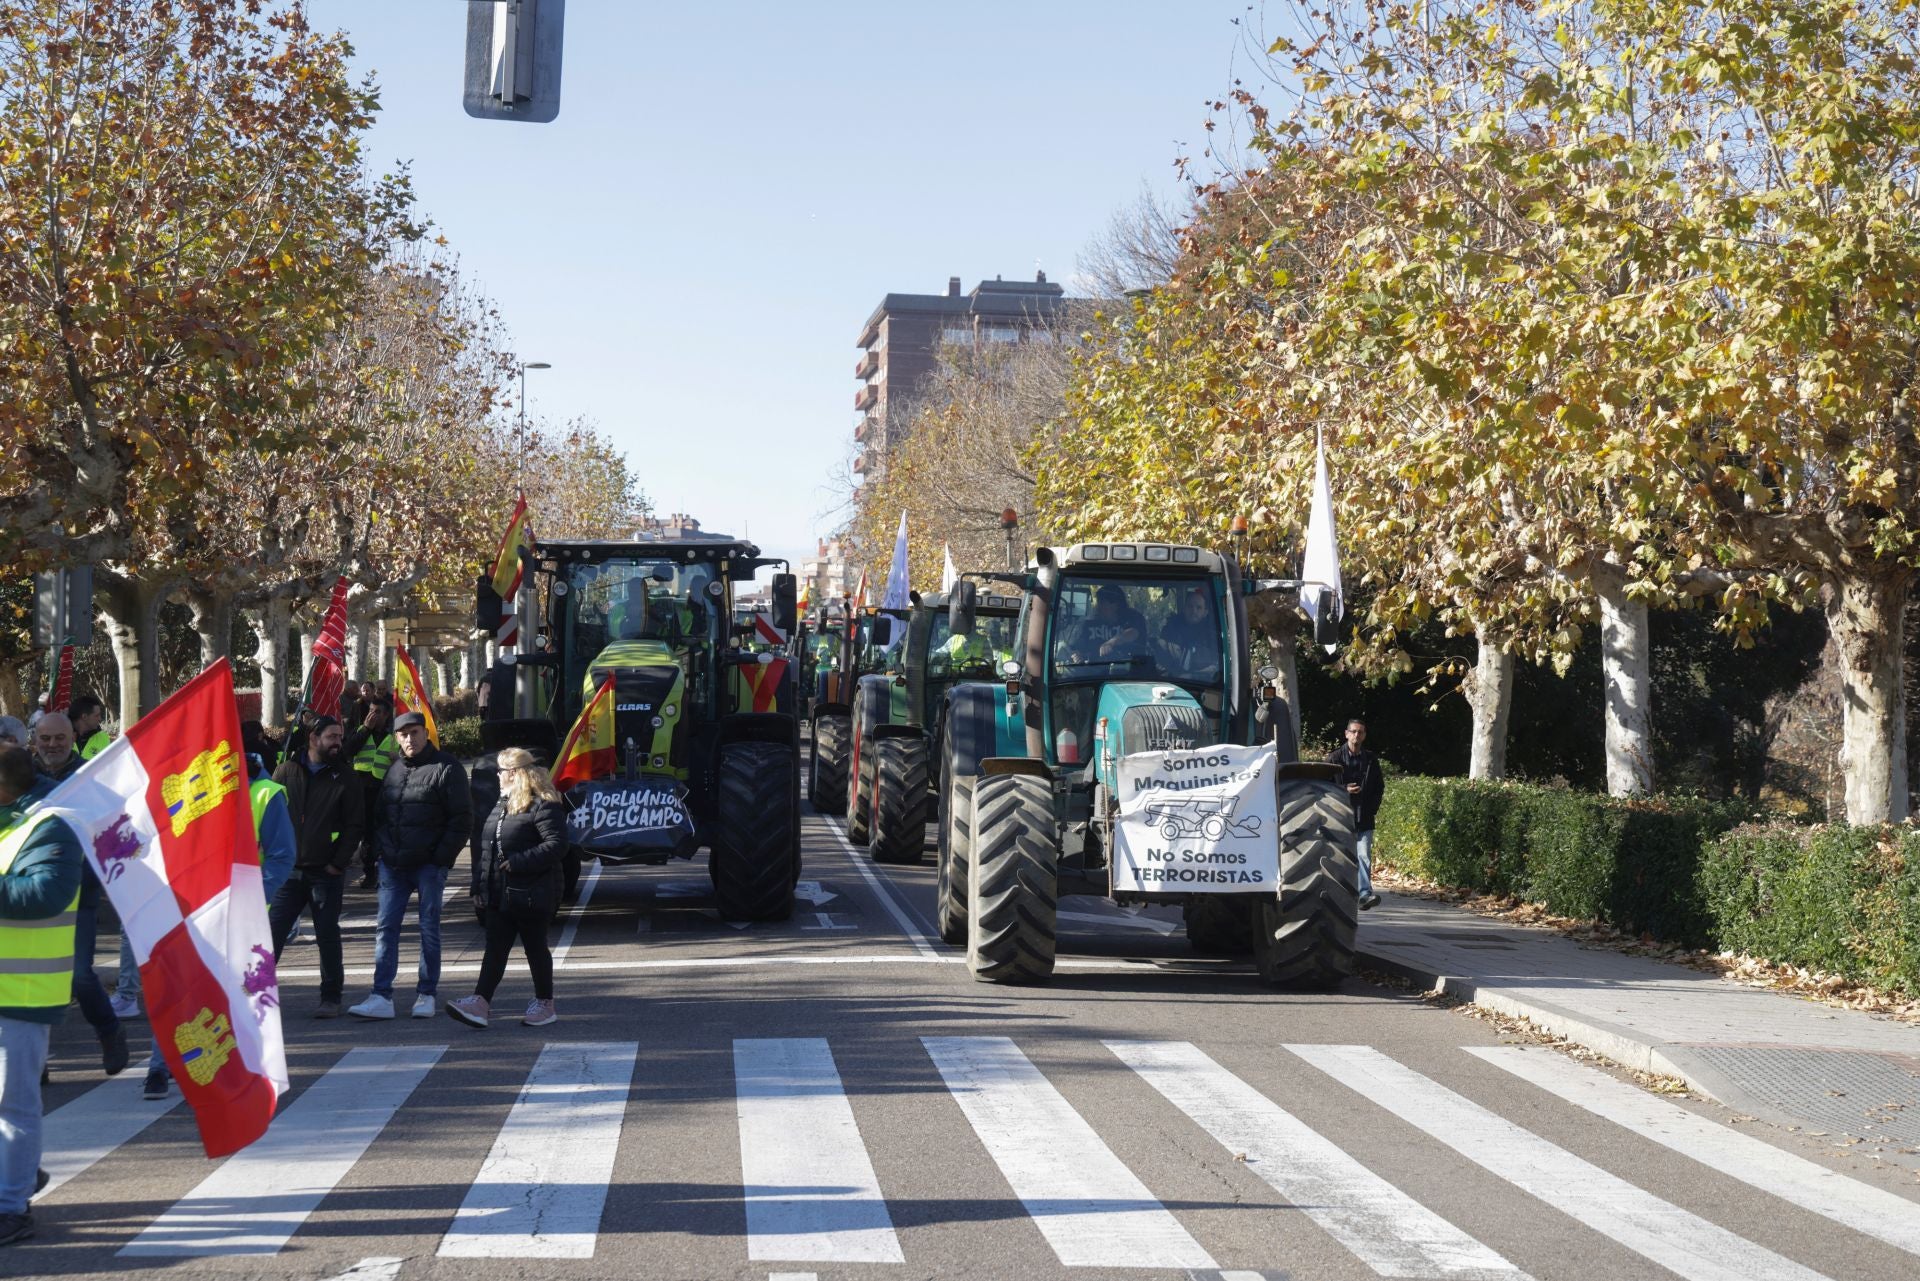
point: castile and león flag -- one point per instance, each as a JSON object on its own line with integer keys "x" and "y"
{"x": 165, "y": 822}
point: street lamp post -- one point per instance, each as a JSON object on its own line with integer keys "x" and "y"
{"x": 520, "y": 434}
{"x": 1010, "y": 521}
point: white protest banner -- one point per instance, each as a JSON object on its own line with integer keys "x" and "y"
{"x": 1201, "y": 821}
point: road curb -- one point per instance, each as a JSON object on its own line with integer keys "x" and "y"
{"x": 1616, "y": 1041}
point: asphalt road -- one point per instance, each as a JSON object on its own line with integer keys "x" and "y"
{"x": 835, "y": 1097}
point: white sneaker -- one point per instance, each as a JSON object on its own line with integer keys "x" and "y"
{"x": 126, "y": 1007}
{"x": 374, "y": 1007}
{"x": 423, "y": 1007}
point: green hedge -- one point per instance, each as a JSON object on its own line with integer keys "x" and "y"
{"x": 1844, "y": 899}
{"x": 1633, "y": 864}
{"x": 461, "y": 737}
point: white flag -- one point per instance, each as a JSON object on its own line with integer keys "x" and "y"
{"x": 1322, "y": 565}
{"x": 950, "y": 572}
{"x": 896, "y": 593}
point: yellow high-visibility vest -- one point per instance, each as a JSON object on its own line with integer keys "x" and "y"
{"x": 375, "y": 757}
{"x": 36, "y": 957}
{"x": 261, "y": 792}
{"x": 96, "y": 744}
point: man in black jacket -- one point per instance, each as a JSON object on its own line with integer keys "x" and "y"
{"x": 329, "y": 819}
{"x": 421, "y": 822}
{"x": 1360, "y": 772}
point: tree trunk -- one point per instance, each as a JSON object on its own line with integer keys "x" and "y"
{"x": 132, "y": 608}
{"x": 1626, "y": 659}
{"x": 213, "y": 624}
{"x": 1489, "y": 690}
{"x": 303, "y": 653}
{"x": 1866, "y": 616}
{"x": 384, "y": 660}
{"x": 470, "y": 665}
{"x": 270, "y": 626}
{"x": 13, "y": 691}
{"x": 359, "y": 647}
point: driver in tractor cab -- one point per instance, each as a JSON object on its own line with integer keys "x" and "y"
{"x": 627, "y": 620}
{"x": 1190, "y": 641}
{"x": 1113, "y": 633}
{"x": 964, "y": 652}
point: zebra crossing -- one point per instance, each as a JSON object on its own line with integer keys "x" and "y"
{"x": 810, "y": 1192}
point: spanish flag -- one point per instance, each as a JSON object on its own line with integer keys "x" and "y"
{"x": 588, "y": 753}
{"x": 409, "y": 694}
{"x": 860, "y": 596}
{"x": 506, "y": 563}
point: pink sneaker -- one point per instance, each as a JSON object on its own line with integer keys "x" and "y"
{"x": 539, "y": 1014}
{"x": 471, "y": 1010}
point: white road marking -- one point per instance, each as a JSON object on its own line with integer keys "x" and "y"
{"x": 259, "y": 1198}
{"x": 375, "y": 1269}
{"x": 1674, "y": 1238}
{"x": 77, "y": 1134}
{"x": 1391, "y": 1233}
{"x": 573, "y": 917}
{"x": 811, "y": 1192}
{"x": 1107, "y": 966}
{"x": 826, "y": 922}
{"x": 541, "y": 1190}
{"x": 1123, "y": 922}
{"x": 921, "y": 942}
{"x": 793, "y": 1276}
{"x": 812, "y": 893}
{"x": 1090, "y": 1207}
{"x": 1860, "y": 1206}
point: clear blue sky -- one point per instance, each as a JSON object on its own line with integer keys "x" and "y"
{"x": 730, "y": 188}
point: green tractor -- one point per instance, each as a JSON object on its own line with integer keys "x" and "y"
{"x": 850, "y": 643}
{"x": 706, "y": 739}
{"x": 1110, "y": 762}
{"x": 896, "y": 720}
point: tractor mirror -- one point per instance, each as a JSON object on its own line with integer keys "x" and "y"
{"x": 488, "y": 608}
{"x": 786, "y": 604}
{"x": 961, "y": 606}
{"x": 1326, "y": 624}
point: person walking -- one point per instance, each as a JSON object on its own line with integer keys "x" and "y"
{"x": 40, "y": 862}
{"x": 273, "y": 832}
{"x": 329, "y": 820}
{"x": 371, "y": 749}
{"x": 517, "y": 884}
{"x": 1360, "y": 773}
{"x": 422, "y": 821}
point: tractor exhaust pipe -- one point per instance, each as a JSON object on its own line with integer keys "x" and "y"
{"x": 1034, "y": 660}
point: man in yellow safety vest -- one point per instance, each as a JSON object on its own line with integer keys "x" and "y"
{"x": 40, "y": 862}
{"x": 89, "y": 715}
{"x": 372, "y": 749}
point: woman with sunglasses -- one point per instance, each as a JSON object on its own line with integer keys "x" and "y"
{"x": 517, "y": 881}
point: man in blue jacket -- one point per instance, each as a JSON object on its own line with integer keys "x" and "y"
{"x": 40, "y": 862}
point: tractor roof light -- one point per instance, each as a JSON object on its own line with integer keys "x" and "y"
{"x": 1124, "y": 552}
{"x": 1186, "y": 555}
{"x": 1093, "y": 551}
{"x": 1157, "y": 552}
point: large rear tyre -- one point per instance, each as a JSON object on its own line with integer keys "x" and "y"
{"x": 827, "y": 789}
{"x": 1221, "y": 924}
{"x": 1305, "y": 937}
{"x": 754, "y": 850}
{"x": 900, "y": 800}
{"x": 860, "y": 794}
{"x": 955, "y": 852}
{"x": 1012, "y": 895}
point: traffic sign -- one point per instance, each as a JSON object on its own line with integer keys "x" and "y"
{"x": 513, "y": 59}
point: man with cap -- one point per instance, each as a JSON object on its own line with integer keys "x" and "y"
{"x": 421, "y": 821}
{"x": 329, "y": 820}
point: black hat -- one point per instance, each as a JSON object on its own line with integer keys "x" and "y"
{"x": 407, "y": 720}
{"x": 321, "y": 723}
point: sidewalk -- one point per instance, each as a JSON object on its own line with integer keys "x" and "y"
{"x": 1786, "y": 1060}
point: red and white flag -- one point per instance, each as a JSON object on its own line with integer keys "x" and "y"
{"x": 164, "y": 819}
{"x": 328, "y": 677}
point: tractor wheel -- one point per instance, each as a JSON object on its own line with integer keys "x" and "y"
{"x": 1012, "y": 894}
{"x": 1221, "y": 924}
{"x": 860, "y": 796}
{"x": 1304, "y": 938}
{"x": 828, "y": 787}
{"x": 900, "y": 800}
{"x": 955, "y": 852}
{"x": 753, "y": 846}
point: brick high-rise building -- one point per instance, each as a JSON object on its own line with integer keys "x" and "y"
{"x": 900, "y": 346}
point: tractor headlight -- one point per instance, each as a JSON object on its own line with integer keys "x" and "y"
{"x": 671, "y": 709}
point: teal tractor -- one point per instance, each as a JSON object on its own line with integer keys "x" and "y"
{"x": 705, "y": 739}
{"x": 1131, "y": 656}
{"x": 896, "y": 720}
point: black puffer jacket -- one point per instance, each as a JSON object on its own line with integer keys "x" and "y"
{"x": 523, "y": 853}
{"x": 424, "y": 813}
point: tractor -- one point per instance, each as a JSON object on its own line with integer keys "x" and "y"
{"x": 896, "y": 721}
{"x": 706, "y": 738}
{"x": 1131, "y": 655}
{"x": 850, "y": 643}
